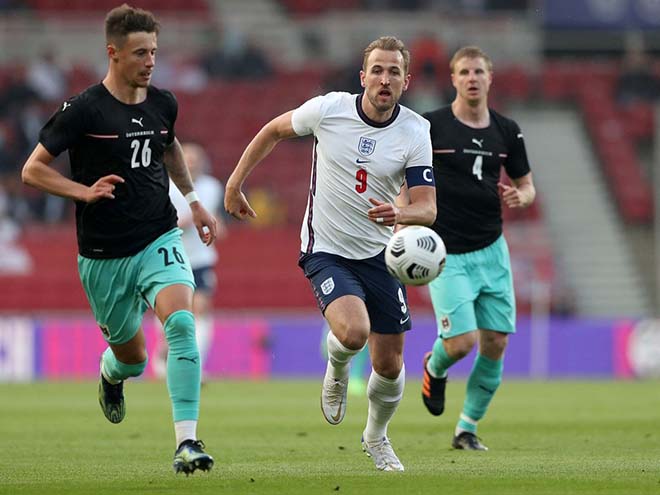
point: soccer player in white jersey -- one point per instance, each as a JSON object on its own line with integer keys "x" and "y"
{"x": 366, "y": 147}
{"x": 202, "y": 258}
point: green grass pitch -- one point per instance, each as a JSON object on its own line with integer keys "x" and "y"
{"x": 560, "y": 437}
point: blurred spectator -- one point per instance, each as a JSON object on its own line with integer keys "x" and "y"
{"x": 47, "y": 79}
{"x": 423, "y": 93}
{"x": 15, "y": 259}
{"x": 637, "y": 81}
{"x": 233, "y": 56}
{"x": 429, "y": 57}
{"x": 17, "y": 93}
{"x": 345, "y": 78}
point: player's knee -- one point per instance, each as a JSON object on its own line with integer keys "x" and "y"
{"x": 388, "y": 366}
{"x": 459, "y": 347}
{"x": 493, "y": 344}
{"x": 180, "y": 328}
{"x": 351, "y": 334}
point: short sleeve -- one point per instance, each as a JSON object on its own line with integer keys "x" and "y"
{"x": 65, "y": 127}
{"x": 421, "y": 150}
{"x": 307, "y": 117}
{"x": 172, "y": 113}
{"x": 516, "y": 164}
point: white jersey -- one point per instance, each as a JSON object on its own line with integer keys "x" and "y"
{"x": 210, "y": 192}
{"x": 355, "y": 159}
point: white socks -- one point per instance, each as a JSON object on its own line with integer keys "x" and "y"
{"x": 339, "y": 356}
{"x": 185, "y": 430}
{"x": 384, "y": 396}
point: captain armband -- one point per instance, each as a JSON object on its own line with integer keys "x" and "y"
{"x": 420, "y": 176}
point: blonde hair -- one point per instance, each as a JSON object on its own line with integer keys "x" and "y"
{"x": 391, "y": 44}
{"x": 470, "y": 52}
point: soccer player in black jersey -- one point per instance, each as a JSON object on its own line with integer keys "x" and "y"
{"x": 473, "y": 298}
{"x": 122, "y": 149}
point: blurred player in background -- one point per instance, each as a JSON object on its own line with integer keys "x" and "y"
{"x": 366, "y": 146}
{"x": 123, "y": 152}
{"x": 203, "y": 258}
{"x": 473, "y": 298}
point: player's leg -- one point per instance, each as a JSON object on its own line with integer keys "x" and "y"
{"x": 452, "y": 295}
{"x": 495, "y": 310}
{"x": 360, "y": 363}
{"x": 384, "y": 391}
{"x": 118, "y": 363}
{"x": 110, "y": 288}
{"x": 388, "y": 311}
{"x": 340, "y": 298}
{"x": 167, "y": 283}
{"x": 349, "y": 329}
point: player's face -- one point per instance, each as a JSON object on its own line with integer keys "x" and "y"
{"x": 384, "y": 79}
{"x": 472, "y": 79}
{"x": 136, "y": 58}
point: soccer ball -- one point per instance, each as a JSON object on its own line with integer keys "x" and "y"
{"x": 415, "y": 255}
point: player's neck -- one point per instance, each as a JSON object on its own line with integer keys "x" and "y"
{"x": 123, "y": 92}
{"x": 476, "y": 116}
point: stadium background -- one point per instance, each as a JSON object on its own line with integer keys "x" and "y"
{"x": 580, "y": 76}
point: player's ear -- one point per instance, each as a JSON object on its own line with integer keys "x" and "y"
{"x": 112, "y": 51}
{"x": 362, "y": 78}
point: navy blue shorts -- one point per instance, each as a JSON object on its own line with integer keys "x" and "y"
{"x": 205, "y": 279}
{"x": 333, "y": 276}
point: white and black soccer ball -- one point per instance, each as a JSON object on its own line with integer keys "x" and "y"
{"x": 415, "y": 255}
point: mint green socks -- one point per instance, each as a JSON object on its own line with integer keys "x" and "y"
{"x": 183, "y": 365}
{"x": 482, "y": 384}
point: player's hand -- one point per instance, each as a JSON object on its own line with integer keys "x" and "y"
{"x": 511, "y": 196}
{"x": 205, "y": 223}
{"x": 103, "y": 188}
{"x": 237, "y": 205}
{"x": 383, "y": 213}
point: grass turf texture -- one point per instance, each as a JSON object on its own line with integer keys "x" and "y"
{"x": 569, "y": 437}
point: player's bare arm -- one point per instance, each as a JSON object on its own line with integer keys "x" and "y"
{"x": 206, "y": 224}
{"x": 521, "y": 194}
{"x": 38, "y": 173}
{"x": 278, "y": 129}
{"x": 421, "y": 209}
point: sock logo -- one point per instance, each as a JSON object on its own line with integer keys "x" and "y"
{"x": 182, "y": 358}
{"x": 491, "y": 392}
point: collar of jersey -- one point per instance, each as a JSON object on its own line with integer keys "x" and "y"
{"x": 373, "y": 123}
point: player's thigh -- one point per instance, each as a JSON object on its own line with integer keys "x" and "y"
{"x": 164, "y": 264}
{"x": 453, "y": 294}
{"x": 348, "y": 318}
{"x": 113, "y": 294}
{"x": 386, "y": 297}
{"x": 330, "y": 278}
{"x": 496, "y": 305}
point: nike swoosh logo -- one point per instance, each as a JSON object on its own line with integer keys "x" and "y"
{"x": 361, "y": 161}
{"x": 403, "y": 320}
{"x": 336, "y": 417}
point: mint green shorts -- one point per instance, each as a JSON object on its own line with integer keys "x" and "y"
{"x": 475, "y": 291}
{"x": 120, "y": 290}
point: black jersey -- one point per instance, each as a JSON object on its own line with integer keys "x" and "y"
{"x": 105, "y": 136}
{"x": 467, "y": 164}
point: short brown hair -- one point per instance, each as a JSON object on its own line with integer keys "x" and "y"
{"x": 389, "y": 43}
{"x": 470, "y": 52}
{"x": 124, "y": 20}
